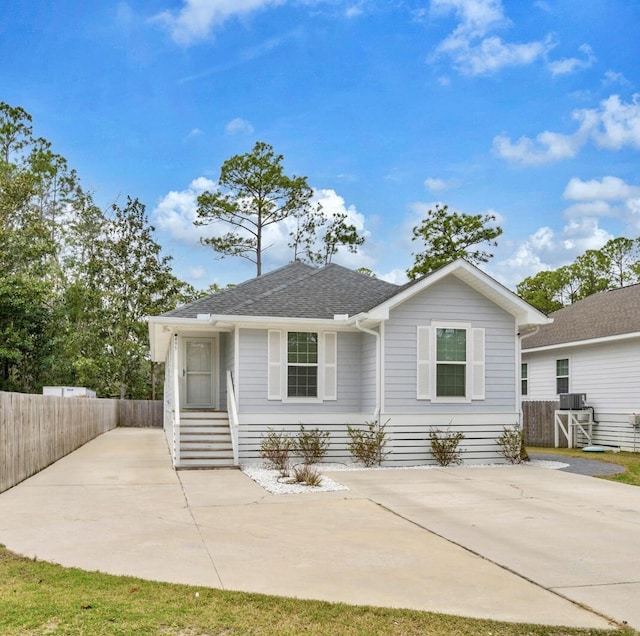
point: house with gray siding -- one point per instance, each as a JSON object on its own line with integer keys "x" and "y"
{"x": 330, "y": 347}
{"x": 591, "y": 347}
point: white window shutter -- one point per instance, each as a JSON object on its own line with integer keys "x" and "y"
{"x": 477, "y": 364}
{"x": 330, "y": 391}
{"x": 274, "y": 357}
{"x": 423, "y": 368}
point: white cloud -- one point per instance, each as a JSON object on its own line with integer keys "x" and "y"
{"x": 395, "y": 276}
{"x": 608, "y": 189}
{"x": 618, "y": 123}
{"x": 547, "y": 147}
{"x": 613, "y": 125}
{"x": 593, "y": 209}
{"x": 354, "y": 11}
{"x": 437, "y": 185}
{"x": 197, "y": 18}
{"x": 239, "y": 126}
{"x": 569, "y": 65}
{"x": 632, "y": 215}
{"x": 193, "y": 133}
{"x": 196, "y": 273}
{"x": 176, "y": 212}
{"x": 473, "y": 48}
{"x": 612, "y": 77}
{"x": 547, "y": 249}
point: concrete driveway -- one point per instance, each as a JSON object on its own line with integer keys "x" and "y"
{"x": 515, "y": 544}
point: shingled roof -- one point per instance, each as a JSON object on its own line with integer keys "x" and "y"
{"x": 295, "y": 291}
{"x": 601, "y": 315}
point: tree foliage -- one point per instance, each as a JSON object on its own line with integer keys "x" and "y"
{"x": 253, "y": 193}
{"x": 615, "y": 265}
{"x": 75, "y": 283}
{"x": 447, "y": 236}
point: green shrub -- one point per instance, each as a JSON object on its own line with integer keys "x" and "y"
{"x": 306, "y": 474}
{"x": 368, "y": 445}
{"x": 511, "y": 444}
{"x": 275, "y": 449}
{"x": 312, "y": 445}
{"x": 444, "y": 446}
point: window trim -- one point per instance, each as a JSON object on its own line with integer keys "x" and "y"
{"x": 466, "y": 364}
{"x": 315, "y": 365}
{"x": 426, "y": 363}
{"x": 524, "y": 378}
{"x": 562, "y": 377}
{"x": 277, "y": 366}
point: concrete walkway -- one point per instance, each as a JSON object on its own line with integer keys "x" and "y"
{"x": 116, "y": 505}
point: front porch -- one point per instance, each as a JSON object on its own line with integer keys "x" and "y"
{"x": 200, "y": 416}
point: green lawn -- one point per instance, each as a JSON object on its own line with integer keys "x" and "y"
{"x": 43, "y": 598}
{"x": 631, "y": 461}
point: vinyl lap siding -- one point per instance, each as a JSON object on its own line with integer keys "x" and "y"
{"x": 253, "y": 374}
{"x": 608, "y": 373}
{"x": 368, "y": 373}
{"x": 449, "y": 300}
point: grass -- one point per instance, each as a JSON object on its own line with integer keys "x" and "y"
{"x": 631, "y": 461}
{"x": 38, "y": 598}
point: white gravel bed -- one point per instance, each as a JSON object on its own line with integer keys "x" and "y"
{"x": 272, "y": 482}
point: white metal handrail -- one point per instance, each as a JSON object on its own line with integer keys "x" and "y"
{"x": 176, "y": 403}
{"x": 232, "y": 409}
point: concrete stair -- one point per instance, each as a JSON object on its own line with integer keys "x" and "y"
{"x": 205, "y": 440}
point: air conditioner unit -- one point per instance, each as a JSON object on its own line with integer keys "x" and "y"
{"x": 572, "y": 401}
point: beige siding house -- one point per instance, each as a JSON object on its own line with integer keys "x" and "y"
{"x": 331, "y": 347}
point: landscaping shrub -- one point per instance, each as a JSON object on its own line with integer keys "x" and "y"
{"x": 275, "y": 449}
{"x": 368, "y": 445}
{"x": 312, "y": 445}
{"x": 444, "y": 446}
{"x": 511, "y": 444}
{"x": 306, "y": 474}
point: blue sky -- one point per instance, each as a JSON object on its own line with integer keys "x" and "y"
{"x": 526, "y": 110}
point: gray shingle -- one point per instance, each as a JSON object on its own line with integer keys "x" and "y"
{"x": 296, "y": 291}
{"x": 609, "y": 313}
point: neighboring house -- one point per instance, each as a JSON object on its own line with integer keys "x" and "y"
{"x": 592, "y": 347}
{"x": 331, "y": 347}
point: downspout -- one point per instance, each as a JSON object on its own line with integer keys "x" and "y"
{"x": 376, "y": 414}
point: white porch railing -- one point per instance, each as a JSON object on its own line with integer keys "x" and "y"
{"x": 232, "y": 408}
{"x": 176, "y": 403}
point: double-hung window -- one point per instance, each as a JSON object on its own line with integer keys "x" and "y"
{"x": 524, "y": 378}
{"x": 302, "y": 364}
{"x": 451, "y": 362}
{"x": 562, "y": 376}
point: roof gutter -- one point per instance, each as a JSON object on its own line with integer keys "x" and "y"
{"x": 376, "y": 334}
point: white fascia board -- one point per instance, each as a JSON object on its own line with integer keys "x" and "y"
{"x": 267, "y": 322}
{"x": 161, "y": 328}
{"x": 484, "y": 284}
{"x": 583, "y": 343}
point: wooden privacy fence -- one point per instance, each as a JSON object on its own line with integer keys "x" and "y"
{"x": 37, "y": 430}
{"x": 140, "y": 413}
{"x": 537, "y": 420}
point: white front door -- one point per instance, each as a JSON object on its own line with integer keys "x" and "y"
{"x": 199, "y": 373}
